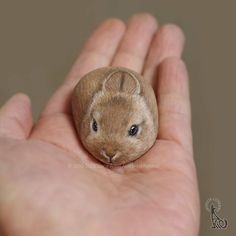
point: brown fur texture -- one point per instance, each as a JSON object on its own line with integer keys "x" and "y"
{"x": 116, "y": 98}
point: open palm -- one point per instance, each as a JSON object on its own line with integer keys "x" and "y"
{"x": 51, "y": 186}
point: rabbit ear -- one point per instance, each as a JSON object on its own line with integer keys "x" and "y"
{"x": 121, "y": 81}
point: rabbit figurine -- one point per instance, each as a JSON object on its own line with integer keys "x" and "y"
{"x": 115, "y": 114}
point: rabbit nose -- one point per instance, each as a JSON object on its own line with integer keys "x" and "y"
{"x": 108, "y": 154}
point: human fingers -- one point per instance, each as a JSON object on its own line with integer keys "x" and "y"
{"x": 136, "y": 41}
{"x": 168, "y": 42}
{"x": 174, "y": 103}
{"x": 16, "y": 117}
{"x": 98, "y": 51}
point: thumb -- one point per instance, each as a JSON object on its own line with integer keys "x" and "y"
{"x": 16, "y": 117}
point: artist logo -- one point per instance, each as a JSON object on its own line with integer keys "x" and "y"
{"x": 213, "y": 206}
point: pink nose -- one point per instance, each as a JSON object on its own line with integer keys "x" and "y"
{"x": 108, "y": 155}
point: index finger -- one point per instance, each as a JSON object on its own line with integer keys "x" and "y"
{"x": 97, "y": 52}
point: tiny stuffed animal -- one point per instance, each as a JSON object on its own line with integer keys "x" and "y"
{"x": 115, "y": 114}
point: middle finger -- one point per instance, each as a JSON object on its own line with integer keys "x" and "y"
{"x": 134, "y": 46}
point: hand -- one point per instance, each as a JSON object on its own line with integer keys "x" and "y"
{"x": 51, "y": 186}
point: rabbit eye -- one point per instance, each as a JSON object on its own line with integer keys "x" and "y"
{"x": 94, "y": 126}
{"x": 133, "y": 130}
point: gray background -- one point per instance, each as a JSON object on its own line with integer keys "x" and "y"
{"x": 39, "y": 40}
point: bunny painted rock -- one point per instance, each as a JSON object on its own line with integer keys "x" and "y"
{"x": 115, "y": 114}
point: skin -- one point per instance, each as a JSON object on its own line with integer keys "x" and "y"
{"x": 51, "y": 186}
